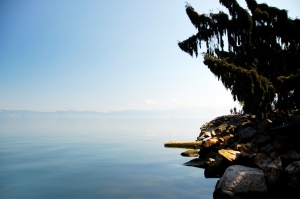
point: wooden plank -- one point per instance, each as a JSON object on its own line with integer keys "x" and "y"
{"x": 183, "y": 144}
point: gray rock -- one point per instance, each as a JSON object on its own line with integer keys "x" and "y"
{"x": 204, "y": 135}
{"x": 230, "y": 155}
{"x": 225, "y": 141}
{"x": 221, "y": 129}
{"x": 197, "y": 162}
{"x": 261, "y": 140}
{"x": 263, "y": 126}
{"x": 210, "y": 142}
{"x": 247, "y": 133}
{"x": 246, "y": 123}
{"x": 262, "y": 160}
{"x": 213, "y": 133}
{"x": 270, "y": 150}
{"x": 231, "y": 129}
{"x": 293, "y": 172}
{"x": 273, "y": 172}
{"x": 241, "y": 181}
{"x": 291, "y": 155}
{"x": 293, "y": 169}
{"x": 247, "y": 148}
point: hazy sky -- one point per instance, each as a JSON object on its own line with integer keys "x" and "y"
{"x": 105, "y": 55}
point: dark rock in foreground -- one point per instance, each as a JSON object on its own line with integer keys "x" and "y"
{"x": 241, "y": 181}
{"x": 255, "y": 159}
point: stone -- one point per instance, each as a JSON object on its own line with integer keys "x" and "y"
{"x": 293, "y": 173}
{"x": 248, "y": 152}
{"x": 210, "y": 142}
{"x": 229, "y": 154}
{"x": 262, "y": 140}
{"x": 264, "y": 125}
{"x": 270, "y": 150}
{"x": 225, "y": 141}
{"x": 291, "y": 155}
{"x": 190, "y": 153}
{"x": 273, "y": 172}
{"x": 247, "y": 133}
{"x": 293, "y": 169}
{"x": 213, "y": 133}
{"x": 231, "y": 129}
{"x": 262, "y": 160}
{"x": 221, "y": 129}
{"x": 204, "y": 135}
{"x": 210, "y": 155}
{"x": 197, "y": 162}
{"x": 247, "y": 123}
{"x": 203, "y": 127}
{"x": 241, "y": 182}
{"x": 247, "y": 148}
{"x": 219, "y": 158}
{"x": 252, "y": 117}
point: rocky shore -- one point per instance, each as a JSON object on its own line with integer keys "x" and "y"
{"x": 252, "y": 158}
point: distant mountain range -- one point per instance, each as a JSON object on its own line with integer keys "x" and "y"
{"x": 172, "y": 113}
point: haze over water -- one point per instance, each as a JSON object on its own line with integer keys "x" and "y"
{"x": 44, "y": 157}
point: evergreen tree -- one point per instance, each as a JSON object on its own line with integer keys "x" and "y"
{"x": 261, "y": 62}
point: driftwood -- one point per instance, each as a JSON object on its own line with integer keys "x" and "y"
{"x": 184, "y": 144}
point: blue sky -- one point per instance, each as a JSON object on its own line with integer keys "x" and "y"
{"x": 105, "y": 55}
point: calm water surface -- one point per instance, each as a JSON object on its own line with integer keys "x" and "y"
{"x": 98, "y": 158}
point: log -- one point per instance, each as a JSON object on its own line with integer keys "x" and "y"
{"x": 184, "y": 144}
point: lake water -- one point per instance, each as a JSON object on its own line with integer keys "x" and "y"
{"x": 98, "y": 158}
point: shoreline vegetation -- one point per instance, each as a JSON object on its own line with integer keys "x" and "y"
{"x": 253, "y": 158}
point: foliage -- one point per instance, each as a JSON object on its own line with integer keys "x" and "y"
{"x": 261, "y": 62}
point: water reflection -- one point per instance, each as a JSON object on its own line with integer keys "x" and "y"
{"x": 98, "y": 158}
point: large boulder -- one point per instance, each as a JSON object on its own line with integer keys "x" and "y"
{"x": 241, "y": 182}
